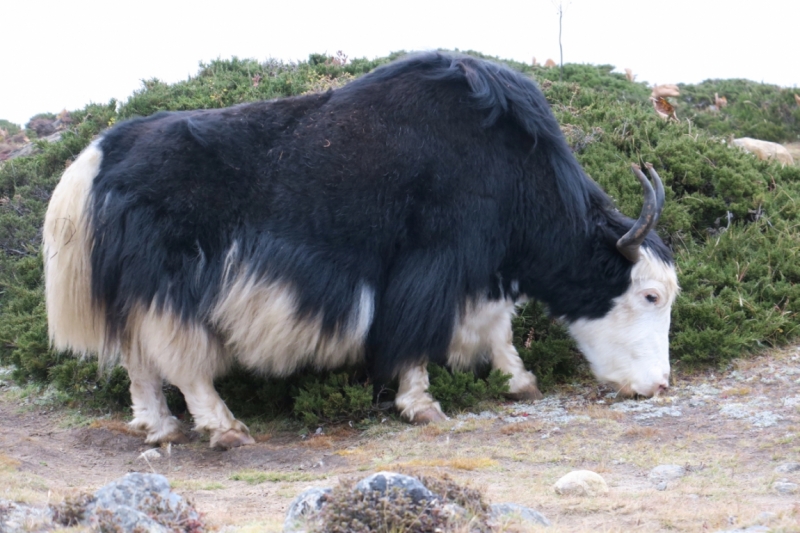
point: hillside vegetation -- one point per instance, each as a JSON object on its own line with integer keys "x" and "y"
{"x": 731, "y": 220}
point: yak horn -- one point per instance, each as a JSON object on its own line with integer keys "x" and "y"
{"x": 628, "y": 245}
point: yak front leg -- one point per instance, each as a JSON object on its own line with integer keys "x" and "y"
{"x": 413, "y": 400}
{"x": 522, "y": 385}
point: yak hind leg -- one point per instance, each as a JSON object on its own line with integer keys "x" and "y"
{"x": 150, "y": 411}
{"x": 522, "y": 385}
{"x": 211, "y": 414}
{"x": 413, "y": 400}
{"x": 189, "y": 356}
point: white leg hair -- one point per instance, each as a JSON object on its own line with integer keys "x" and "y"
{"x": 485, "y": 327}
{"x": 522, "y": 385}
{"x": 188, "y": 356}
{"x": 150, "y": 411}
{"x": 211, "y": 414}
{"x": 413, "y": 400}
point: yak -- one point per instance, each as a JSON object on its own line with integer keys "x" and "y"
{"x": 395, "y": 221}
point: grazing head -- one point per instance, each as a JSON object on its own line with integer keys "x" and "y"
{"x": 628, "y": 346}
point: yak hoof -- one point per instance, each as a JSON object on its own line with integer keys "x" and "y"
{"x": 431, "y": 414}
{"x": 176, "y": 437}
{"x": 528, "y": 394}
{"x": 233, "y": 438}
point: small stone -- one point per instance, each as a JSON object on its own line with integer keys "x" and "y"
{"x": 150, "y": 454}
{"x": 794, "y": 401}
{"x": 581, "y": 483}
{"x": 662, "y": 486}
{"x": 786, "y": 468}
{"x": 666, "y": 473}
{"x": 784, "y": 487}
{"x": 302, "y": 510}
{"x": 765, "y": 419}
{"x": 383, "y": 481}
{"x": 766, "y": 517}
{"x": 509, "y": 510}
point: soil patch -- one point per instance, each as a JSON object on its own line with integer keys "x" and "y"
{"x": 730, "y": 431}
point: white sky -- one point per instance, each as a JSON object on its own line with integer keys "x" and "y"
{"x": 67, "y": 53}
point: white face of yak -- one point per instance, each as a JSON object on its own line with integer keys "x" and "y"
{"x": 629, "y": 347}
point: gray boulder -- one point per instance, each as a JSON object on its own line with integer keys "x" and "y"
{"x": 140, "y": 502}
{"x": 303, "y": 509}
{"x": 504, "y": 511}
{"x": 385, "y": 481}
{"x": 19, "y": 518}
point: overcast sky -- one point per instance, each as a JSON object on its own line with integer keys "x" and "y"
{"x": 67, "y": 53}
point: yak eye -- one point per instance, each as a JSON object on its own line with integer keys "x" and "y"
{"x": 652, "y": 298}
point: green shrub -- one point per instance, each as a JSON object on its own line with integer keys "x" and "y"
{"x": 732, "y": 221}
{"x": 348, "y": 510}
{"x": 9, "y": 127}
{"x": 334, "y": 399}
{"x": 458, "y": 391}
{"x": 754, "y": 109}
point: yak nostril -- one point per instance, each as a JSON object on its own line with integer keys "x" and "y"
{"x": 661, "y": 388}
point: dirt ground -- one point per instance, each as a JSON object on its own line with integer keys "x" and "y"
{"x": 731, "y": 430}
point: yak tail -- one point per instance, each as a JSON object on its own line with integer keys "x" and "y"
{"x": 75, "y": 321}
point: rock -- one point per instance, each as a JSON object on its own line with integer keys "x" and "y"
{"x": 765, "y": 150}
{"x": 152, "y": 453}
{"x": 302, "y": 510}
{"x": 141, "y": 502}
{"x": 501, "y": 511}
{"x": 786, "y": 468}
{"x": 663, "y": 473}
{"x": 765, "y": 419}
{"x": 662, "y": 486}
{"x": 384, "y": 481}
{"x": 581, "y": 483}
{"x": 32, "y": 148}
{"x": 766, "y": 517}
{"x": 17, "y": 517}
{"x": 784, "y": 487}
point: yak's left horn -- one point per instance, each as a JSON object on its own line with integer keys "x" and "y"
{"x": 628, "y": 245}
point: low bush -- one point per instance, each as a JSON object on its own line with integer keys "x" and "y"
{"x": 731, "y": 220}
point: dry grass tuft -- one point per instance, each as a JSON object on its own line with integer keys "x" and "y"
{"x": 641, "y": 432}
{"x": 458, "y": 463}
{"x": 532, "y": 426}
{"x": 8, "y": 464}
{"x": 602, "y": 411}
{"x": 195, "y": 484}
{"x": 117, "y": 426}
{"x": 431, "y": 431}
{"x": 263, "y": 437}
{"x": 351, "y": 452}
{"x": 255, "y": 477}
{"x": 318, "y": 442}
{"x": 736, "y": 391}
